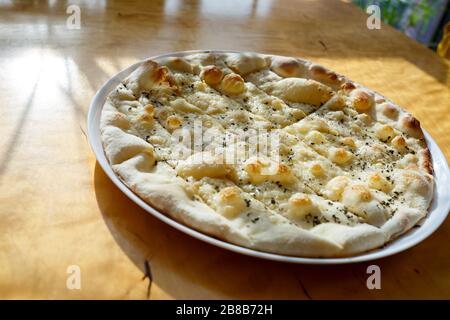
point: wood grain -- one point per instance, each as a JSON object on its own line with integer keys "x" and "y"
{"x": 57, "y": 207}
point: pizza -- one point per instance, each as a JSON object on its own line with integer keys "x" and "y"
{"x": 272, "y": 153}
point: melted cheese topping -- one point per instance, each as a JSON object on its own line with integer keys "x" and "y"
{"x": 336, "y": 162}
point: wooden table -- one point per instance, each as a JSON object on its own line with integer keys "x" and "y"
{"x": 57, "y": 207}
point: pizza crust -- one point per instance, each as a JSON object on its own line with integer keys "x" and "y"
{"x": 318, "y": 202}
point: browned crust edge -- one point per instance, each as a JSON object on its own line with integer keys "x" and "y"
{"x": 427, "y": 163}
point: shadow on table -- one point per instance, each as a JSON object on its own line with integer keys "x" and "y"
{"x": 184, "y": 267}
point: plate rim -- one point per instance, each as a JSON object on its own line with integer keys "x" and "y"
{"x": 94, "y": 139}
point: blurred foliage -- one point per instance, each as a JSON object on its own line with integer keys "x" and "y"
{"x": 403, "y": 14}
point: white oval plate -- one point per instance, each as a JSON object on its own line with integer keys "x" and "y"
{"x": 437, "y": 214}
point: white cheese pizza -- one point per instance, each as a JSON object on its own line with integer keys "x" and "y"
{"x": 272, "y": 153}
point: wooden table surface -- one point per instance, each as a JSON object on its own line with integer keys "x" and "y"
{"x": 57, "y": 207}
